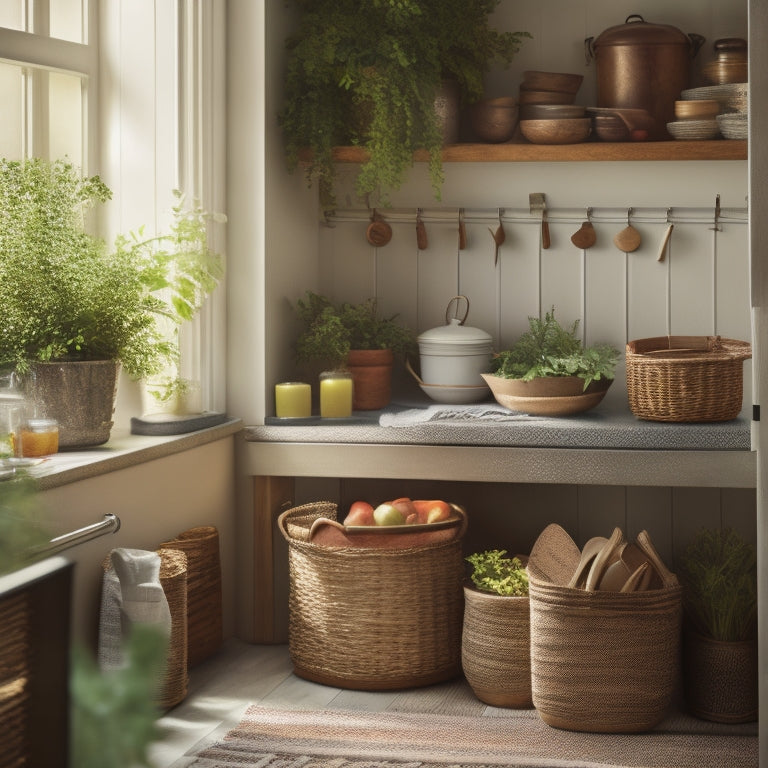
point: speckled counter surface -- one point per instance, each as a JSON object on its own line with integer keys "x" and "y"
{"x": 605, "y": 427}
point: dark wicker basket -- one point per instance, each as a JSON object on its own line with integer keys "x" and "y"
{"x": 686, "y": 378}
{"x": 373, "y": 618}
{"x": 204, "y": 601}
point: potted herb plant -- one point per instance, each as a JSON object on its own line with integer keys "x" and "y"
{"x": 370, "y": 74}
{"x": 357, "y": 337}
{"x": 75, "y": 310}
{"x": 548, "y": 371}
{"x": 496, "y": 634}
{"x": 719, "y": 578}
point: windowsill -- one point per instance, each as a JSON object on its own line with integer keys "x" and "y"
{"x": 121, "y": 451}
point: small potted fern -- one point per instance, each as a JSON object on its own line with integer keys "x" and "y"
{"x": 354, "y": 337}
{"x": 719, "y": 578}
{"x": 496, "y": 634}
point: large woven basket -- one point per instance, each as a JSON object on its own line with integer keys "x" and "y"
{"x": 372, "y": 618}
{"x": 204, "y": 602}
{"x": 496, "y": 648}
{"x": 686, "y": 378}
{"x": 604, "y": 662}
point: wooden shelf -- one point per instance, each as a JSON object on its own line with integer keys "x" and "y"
{"x": 722, "y": 149}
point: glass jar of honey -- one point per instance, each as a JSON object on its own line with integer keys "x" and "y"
{"x": 36, "y": 438}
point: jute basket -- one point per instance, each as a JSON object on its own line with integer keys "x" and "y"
{"x": 720, "y": 678}
{"x": 604, "y": 661}
{"x": 686, "y": 378}
{"x": 496, "y": 648}
{"x": 372, "y": 618}
{"x": 204, "y": 608}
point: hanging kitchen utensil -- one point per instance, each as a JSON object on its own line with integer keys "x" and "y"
{"x": 378, "y": 233}
{"x": 585, "y": 237}
{"x": 538, "y": 205}
{"x": 499, "y": 236}
{"x": 628, "y": 239}
{"x": 462, "y": 231}
{"x": 421, "y": 232}
{"x": 665, "y": 238}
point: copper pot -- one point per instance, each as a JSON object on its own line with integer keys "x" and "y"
{"x": 643, "y": 66}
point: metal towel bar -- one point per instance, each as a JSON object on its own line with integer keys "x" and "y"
{"x": 110, "y": 524}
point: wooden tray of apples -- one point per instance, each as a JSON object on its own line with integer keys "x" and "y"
{"x": 402, "y": 515}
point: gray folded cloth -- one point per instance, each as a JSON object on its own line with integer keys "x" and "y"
{"x": 131, "y": 594}
{"x": 449, "y": 413}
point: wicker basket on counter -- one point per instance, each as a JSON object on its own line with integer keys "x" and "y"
{"x": 373, "y": 618}
{"x": 686, "y": 378}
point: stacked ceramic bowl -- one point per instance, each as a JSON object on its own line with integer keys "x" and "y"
{"x": 732, "y": 99}
{"x": 696, "y": 119}
{"x": 548, "y": 114}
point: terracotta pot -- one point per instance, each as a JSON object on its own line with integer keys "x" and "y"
{"x": 720, "y": 678}
{"x": 496, "y": 648}
{"x": 372, "y": 378}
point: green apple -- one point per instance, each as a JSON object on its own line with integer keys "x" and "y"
{"x": 387, "y": 514}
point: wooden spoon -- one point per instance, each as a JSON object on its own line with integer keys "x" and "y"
{"x": 628, "y": 239}
{"x": 421, "y": 233}
{"x": 585, "y": 237}
{"x": 499, "y": 236}
{"x": 379, "y": 233}
{"x": 588, "y": 554}
{"x": 604, "y": 558}
{"x": 668, "y": 578}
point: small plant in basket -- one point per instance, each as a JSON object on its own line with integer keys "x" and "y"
{"x": 496, "y": 635}
{"x": 719, "y": 578}
{"x": 496, "y": 573}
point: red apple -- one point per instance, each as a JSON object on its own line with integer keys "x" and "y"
{"x": 405, "y": 505}
{"x": 387, "y": 514}
{"x": 360, "y": 513}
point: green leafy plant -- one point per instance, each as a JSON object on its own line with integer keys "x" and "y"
{"x": 23, "y": 524}
{"x": 368, "y": 73}
{"x": 494, "y": 572}
{"x": 114, "y": 717}
{"x": 66, "y": 296}
{"x": 331, "y": 330}
{"x": 719, "y": 577}
{"x": 549, "y": 349}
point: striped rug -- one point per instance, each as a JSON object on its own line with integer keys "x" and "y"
{"x": 339, "y": 738}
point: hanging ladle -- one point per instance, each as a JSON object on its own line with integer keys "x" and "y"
{"x": 628, "y": 239}
{"x": 585, "y": 237}
{"x": 378, "y": 233}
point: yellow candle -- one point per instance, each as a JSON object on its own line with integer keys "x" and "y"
{"x": 293, "y": 400}
{"x": 335, "y": 394}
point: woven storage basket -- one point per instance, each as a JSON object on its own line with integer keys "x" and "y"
{"x": 204, "y": 609}
{"x": 496, "y": 648}
{"x": 173, "y": 578}
{"x": 15, "y": 671}
{"x": 686, "y": 378}
{"x": 720, "y": 678}
{"x": 604, "y": 661}
{"x": 372, "y": 618}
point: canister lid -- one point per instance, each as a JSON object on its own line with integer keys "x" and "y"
{"x": 637, "y": 31}
{"x": 454, "y": 333}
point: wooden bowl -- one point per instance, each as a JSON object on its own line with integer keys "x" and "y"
{"x": 610, "y": 128}
{"x": 551, "y": 111}
{"x": 494, "y": 120}
{"x": 534, "y": 80}
{"x": 697, "y": 109}
{"x": 547, "y": 396}
{"x": 557, "y": 131}
{"x": 545, "y": 97}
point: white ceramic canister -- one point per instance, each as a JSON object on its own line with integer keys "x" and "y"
{"x": 455, "y": 354}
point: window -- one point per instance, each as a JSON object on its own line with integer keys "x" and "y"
{"x": 142, "y": 105}
{"x": 47, "y": 80}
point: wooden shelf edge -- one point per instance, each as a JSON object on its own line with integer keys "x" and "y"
{"x": 722, "y": 149}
